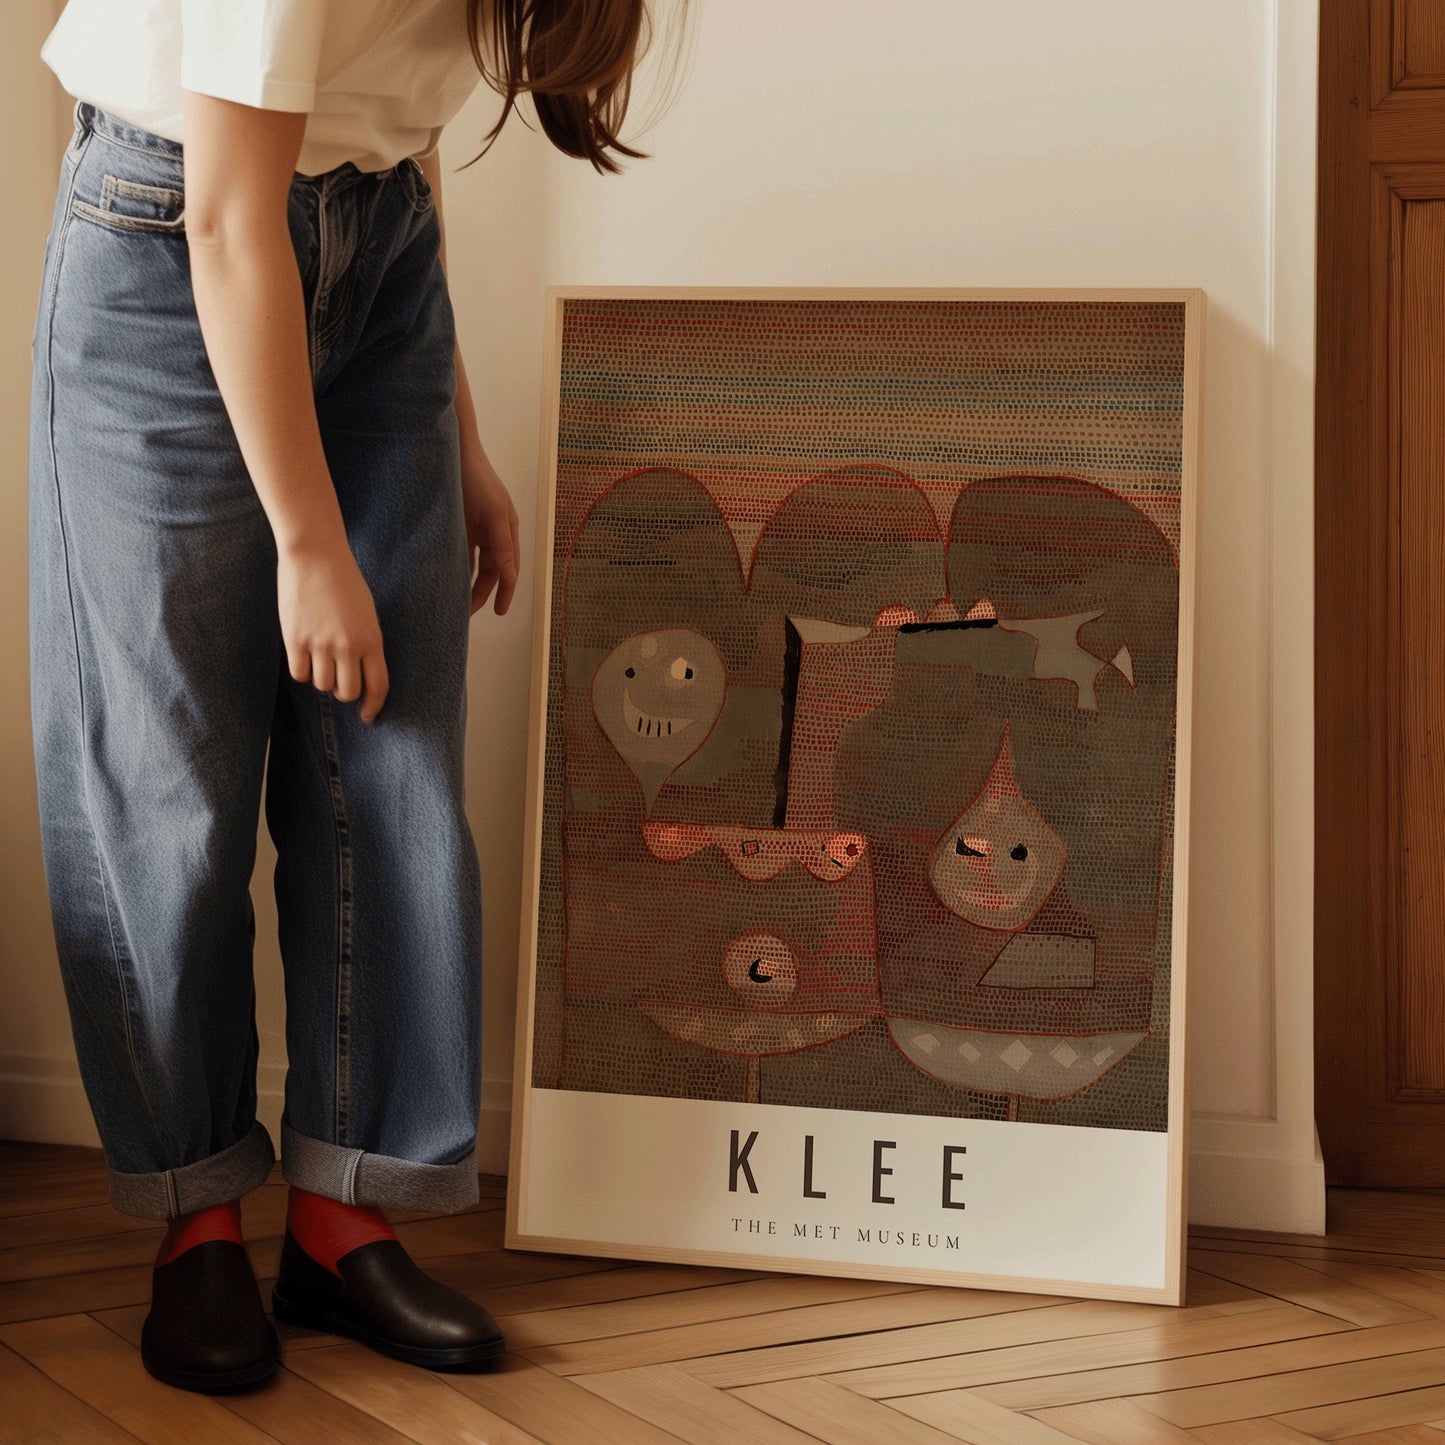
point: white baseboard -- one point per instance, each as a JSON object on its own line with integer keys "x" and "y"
{"x": 1279, "y": 1193}
{"x": 42, "y": 1101}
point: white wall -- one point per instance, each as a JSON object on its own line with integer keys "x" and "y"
{"x": 40, "y": 1095}
{"x": 1044, "y": 143}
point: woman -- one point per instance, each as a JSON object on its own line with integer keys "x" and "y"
{"x": 256, "y": 485}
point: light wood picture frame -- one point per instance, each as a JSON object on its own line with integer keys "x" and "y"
{"x": 857, "y": 817}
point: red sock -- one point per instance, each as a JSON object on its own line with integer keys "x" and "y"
{"x": 326, "y": 1228}
{"x": 220, "y": 1221}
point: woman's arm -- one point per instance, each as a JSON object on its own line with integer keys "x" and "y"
{"x": 239, "y": 165}
{"x": 492, "y": 523}
{"x": 239, "y": 162}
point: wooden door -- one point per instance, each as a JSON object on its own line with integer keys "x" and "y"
{"x": 1380, "y": 594}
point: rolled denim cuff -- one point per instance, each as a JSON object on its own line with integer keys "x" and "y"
{"x": 219, "y": 1177}
{"x": 357, "y": 1176}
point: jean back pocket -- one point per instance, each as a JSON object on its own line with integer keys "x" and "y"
{"x": 127, "y": 205}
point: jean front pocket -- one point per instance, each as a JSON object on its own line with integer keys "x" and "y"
{"x": 127, "y": 205}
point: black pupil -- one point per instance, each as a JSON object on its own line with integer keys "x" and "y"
{"x": 1019, "y": 853}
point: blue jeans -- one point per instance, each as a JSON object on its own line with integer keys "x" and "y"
{"x": 159, "y": 680}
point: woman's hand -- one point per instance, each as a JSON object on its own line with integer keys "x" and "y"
{"x": 329, "y": 624}
{"x": 492, "y": 529}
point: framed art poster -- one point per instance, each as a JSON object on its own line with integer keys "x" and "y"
{"x": 857, "y": 814}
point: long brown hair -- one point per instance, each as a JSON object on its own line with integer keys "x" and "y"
{"x": 576, "y": 59}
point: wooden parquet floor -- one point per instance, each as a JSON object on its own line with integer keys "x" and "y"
{"x": 1282, "y": 1338}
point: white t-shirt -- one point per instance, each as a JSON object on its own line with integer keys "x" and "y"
{"x": 379, "y": 78}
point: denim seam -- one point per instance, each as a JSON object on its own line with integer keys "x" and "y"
{"x": 111, "y": 138}
{"x": 114, "y": 185}
{"x": 422, "y": 198}
{"x": 328, "y": 335}
{"x": 119, "y": 221}
{"x": 76, "y": 144}
{"x": 342, "y": 1100}
{"x": 332, "y": 264}
{"x": 363, "y": 1177}
{"x": 50, "y": 304}
{"x": 319, "y": 294}
{"x": 184, "y": 1188}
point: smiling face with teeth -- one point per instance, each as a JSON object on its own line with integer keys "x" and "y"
{"x": 656, "y": 695}
{"x": 648, "y": 725}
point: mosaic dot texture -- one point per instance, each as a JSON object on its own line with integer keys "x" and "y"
{"x": 859, "y": 746}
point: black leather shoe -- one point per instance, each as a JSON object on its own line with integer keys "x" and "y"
{"x": 207, "y": 1329}
{"x": 387, "y": 1301}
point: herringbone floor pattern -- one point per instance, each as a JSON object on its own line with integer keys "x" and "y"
{"x": 1283, "y": 1338}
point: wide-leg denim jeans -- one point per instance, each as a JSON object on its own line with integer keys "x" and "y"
{"x": 159, "y": 681}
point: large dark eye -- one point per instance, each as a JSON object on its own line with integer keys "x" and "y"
{"x": 631, "y": 672}
{"x": 960, "y": 846}
{"x": 1019, "y": 853}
